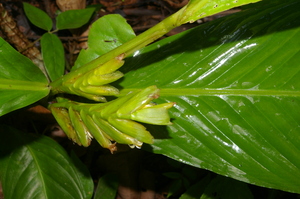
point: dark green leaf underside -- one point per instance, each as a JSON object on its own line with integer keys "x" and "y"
{"x": 236, "y": 85}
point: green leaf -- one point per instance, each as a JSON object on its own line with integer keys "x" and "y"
{"x": 236, "y": 85}
{"x": 129, "y": 47}
{"x": 53, "y": 55}
{"x": 107, "y": 187}
{"x": 14, "y": 65}
{"x": 71, "y": 19}
{"x": 43, "y": 168}
{"x": 226, "y": 188}
{"x": 196, "y": 9}
{"x": 173, "y": 175}
{"x": 174, "y": 186}
{"x": 38, "y": 17}
{"x": 107, "y": 33}
{"x": 197, "y": 189}
{"x": 83, "y": 175}
{"x": 21, "y": 82}
{"x": 15, "y": 99}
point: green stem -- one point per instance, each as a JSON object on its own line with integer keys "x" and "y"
{"x": 127, "y": 48}
{"x": 7, "y": 84}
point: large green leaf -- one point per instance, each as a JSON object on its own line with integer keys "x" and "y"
{"x": 136, "y": 43}
{"x": 196, "y": 9}
{"x": 37, "y": 167}
{"x": 21, "y": 82}
{"x": 236, "y": 84}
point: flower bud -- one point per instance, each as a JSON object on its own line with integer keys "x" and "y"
{"x": 138, "y": 101}
{"x": 132, "y": 129}
{"x": 157, "y": 114}
{"x": 116, "y": 120}
{"x": 113, "y": 106}
{"x": 110, "y": 66}
{"x": 98, "y": 133}
{"x": 94, "y": 83}
{"x": 97, "y": 80}
{"x": 100, "y": 90}
{"x": 115, "y": 134}
{"x": 80, "y": 128}
{"x": 62, "y": 117}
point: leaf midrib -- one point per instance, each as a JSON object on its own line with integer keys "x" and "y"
{"x": 212, "y": 92}
{"x": 40, "y": 171}
{"x": 11, "y": 84}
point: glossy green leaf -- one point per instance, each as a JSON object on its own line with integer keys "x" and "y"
{"x": 71, "y": 19}
{"x": 236, "y": 85}
{"x": 38, "y": 17}
{"x": 107, "y": 187}
{"x": 21, "y": 82}
{"x": 83, "y": 176}
{"x": 53, "y": 55}
{"x": 107, "y": 33}
{"x": 36, "y": 167}
{"x": 196, "y": 9}
{"x": 110, "y": 37}
{"x": 132, "y": 45}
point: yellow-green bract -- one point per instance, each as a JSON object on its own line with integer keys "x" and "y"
{"x": 114, "y": 121}
{"x": 93, "y": 84}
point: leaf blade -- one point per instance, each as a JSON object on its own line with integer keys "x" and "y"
{"x": 199, "y": 9}
{"x": 16, "y": 66}
{"x": 13, "y": 100}
{"x": 107, "y": 186}
{"x": 107, "y": 33}
{"x": 21, "y": 82}
{"x": 43, "y": 167}
{"x": 71, "y": 19}
{"x": 37, "y": 17}
{"x": 53, "y": 55}
{"x": 236, "y": 93}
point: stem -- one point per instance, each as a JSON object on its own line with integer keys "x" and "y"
{"x": 127, "y": 48}
{"x": 7, "y": 84}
